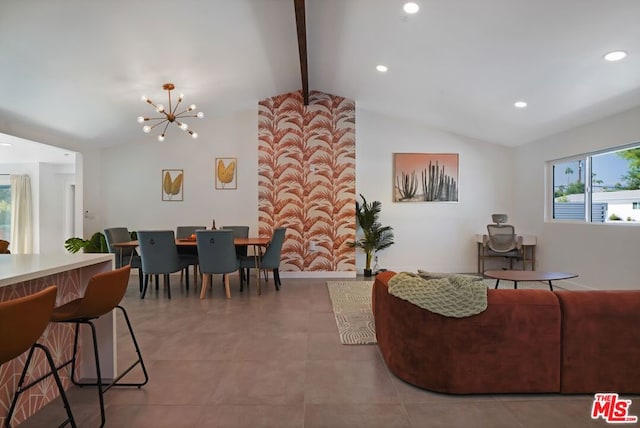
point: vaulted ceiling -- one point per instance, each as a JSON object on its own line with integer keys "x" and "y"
{"x": 76, "y": 69}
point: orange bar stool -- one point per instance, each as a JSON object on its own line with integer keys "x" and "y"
{"x": 103, "y": 294}
{"x": 22, "y": 322}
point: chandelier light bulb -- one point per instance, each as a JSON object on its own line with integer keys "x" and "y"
{"x": 140, "y": 119}
{"x": 146, "y": 129}
{"x": 180, "y": 97}
{"x": 194, "y": 135}
{"x": 161, "y": 137}
{"x": 192, "y": 107}
{"x": 200, "y": 115}
{"x": 184, "y": 126}
{"x": 160, "y": 108}
{"x": 144, "y": 98}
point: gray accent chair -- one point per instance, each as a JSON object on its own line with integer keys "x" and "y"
{"x": 124, "y": 256}
{"x": 159, "y": 255}
{"x": 217, "y": 254}
{"x": 271, "y": 257}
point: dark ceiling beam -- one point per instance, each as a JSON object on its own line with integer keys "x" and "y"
{"x": 301, "y": 28}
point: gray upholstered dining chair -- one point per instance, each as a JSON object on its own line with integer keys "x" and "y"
{"x": 160, "y": 256}
{"x": 271, "y": 257}
{"x": 217, "y": 254}
{"x": 124, "y": 256}
{"x": 241, "y": 250}
{"x": 183, "y": 232}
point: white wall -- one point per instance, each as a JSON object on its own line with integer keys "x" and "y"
{"x": 604, "y": 256}
{"x": 437, "y": 236}
{"x": 130, "y": 177}
{"x": 53, "y": 182}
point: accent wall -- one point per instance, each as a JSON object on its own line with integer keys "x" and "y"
{"x": 306, "y": 179}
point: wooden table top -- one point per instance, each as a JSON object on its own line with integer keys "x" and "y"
{"x": 528, "y": 275}
{"x": 188, "y": 242}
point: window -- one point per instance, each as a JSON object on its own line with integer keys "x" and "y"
{"x": 5, "y": 208}
{"x": 610, "y": 194}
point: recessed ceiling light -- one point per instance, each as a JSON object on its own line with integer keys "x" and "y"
{"x": 381, "y": 68}
{"x": 615, "y": 55}
{"x": 520, "y": 104}
{"x": 411, "y": 7}
{"x": 5, "y": 144}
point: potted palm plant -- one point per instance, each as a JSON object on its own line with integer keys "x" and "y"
{"x": 375, "y": 237}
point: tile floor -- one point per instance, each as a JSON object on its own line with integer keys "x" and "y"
{"x": 276, "y": 361}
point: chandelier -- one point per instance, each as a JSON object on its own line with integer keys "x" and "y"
{"x": 169, "y": 116}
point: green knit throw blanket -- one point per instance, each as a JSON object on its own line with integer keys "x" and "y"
{"x": 456, "y": 296}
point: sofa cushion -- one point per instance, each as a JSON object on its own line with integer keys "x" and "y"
{"x": 600, "y": 341}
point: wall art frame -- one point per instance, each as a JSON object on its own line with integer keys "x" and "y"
{"x": 425, "y": 177}
{"x": 226, "y": 173}
{"x": 172, "y": 185}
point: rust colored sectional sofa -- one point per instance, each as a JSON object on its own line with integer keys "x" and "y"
{"x": 526, "y": 341}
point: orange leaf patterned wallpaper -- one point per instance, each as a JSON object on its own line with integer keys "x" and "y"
{"x": 306, "y": 163}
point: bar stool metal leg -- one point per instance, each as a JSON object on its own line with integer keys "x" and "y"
{"x": 102, "y": 388}
{"x": 22, "y": 388}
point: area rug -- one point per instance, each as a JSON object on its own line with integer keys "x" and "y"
{"x": 351, "y": 302}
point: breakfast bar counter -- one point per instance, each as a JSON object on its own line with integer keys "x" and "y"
{"x": 24, "y": 274}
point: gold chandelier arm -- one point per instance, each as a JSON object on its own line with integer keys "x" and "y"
{"x": 176, "y": 107}
{"x": 160, "y": 123}
{"x": 148, "y": 101}
{"x": 180, "y": 115}
{"x": 165, "y": 128}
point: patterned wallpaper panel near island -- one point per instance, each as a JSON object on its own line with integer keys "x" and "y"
{"x": 306, "y": 162}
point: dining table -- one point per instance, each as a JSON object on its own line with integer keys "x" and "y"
{"x": 256, "y": 242}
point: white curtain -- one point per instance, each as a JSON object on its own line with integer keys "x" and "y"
{"x": 21, "y": 219}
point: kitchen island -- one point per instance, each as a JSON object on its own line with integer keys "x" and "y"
{"x": 24, "y": 274}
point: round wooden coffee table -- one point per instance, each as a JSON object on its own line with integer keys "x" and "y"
{"x": 527, "y": 275}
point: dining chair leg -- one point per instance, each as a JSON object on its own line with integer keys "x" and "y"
{"x": 167, "y": 285}
{"x": 276, "y": 278}
{"x": 206, "y": 278}
{"x": 144, "y": 286}
{"x": 227, "y": 290}
{"x": 140, "y": 278}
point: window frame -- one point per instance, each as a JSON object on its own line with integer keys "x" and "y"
{"x": 588, "y": 191}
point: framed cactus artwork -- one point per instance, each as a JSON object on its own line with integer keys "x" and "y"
{"x": 226, "y": 173}
{"x": 425, "y": 177}
{"x": 172, "y": 181}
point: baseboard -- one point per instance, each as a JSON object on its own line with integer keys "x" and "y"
{"x": 318, "y": 274}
